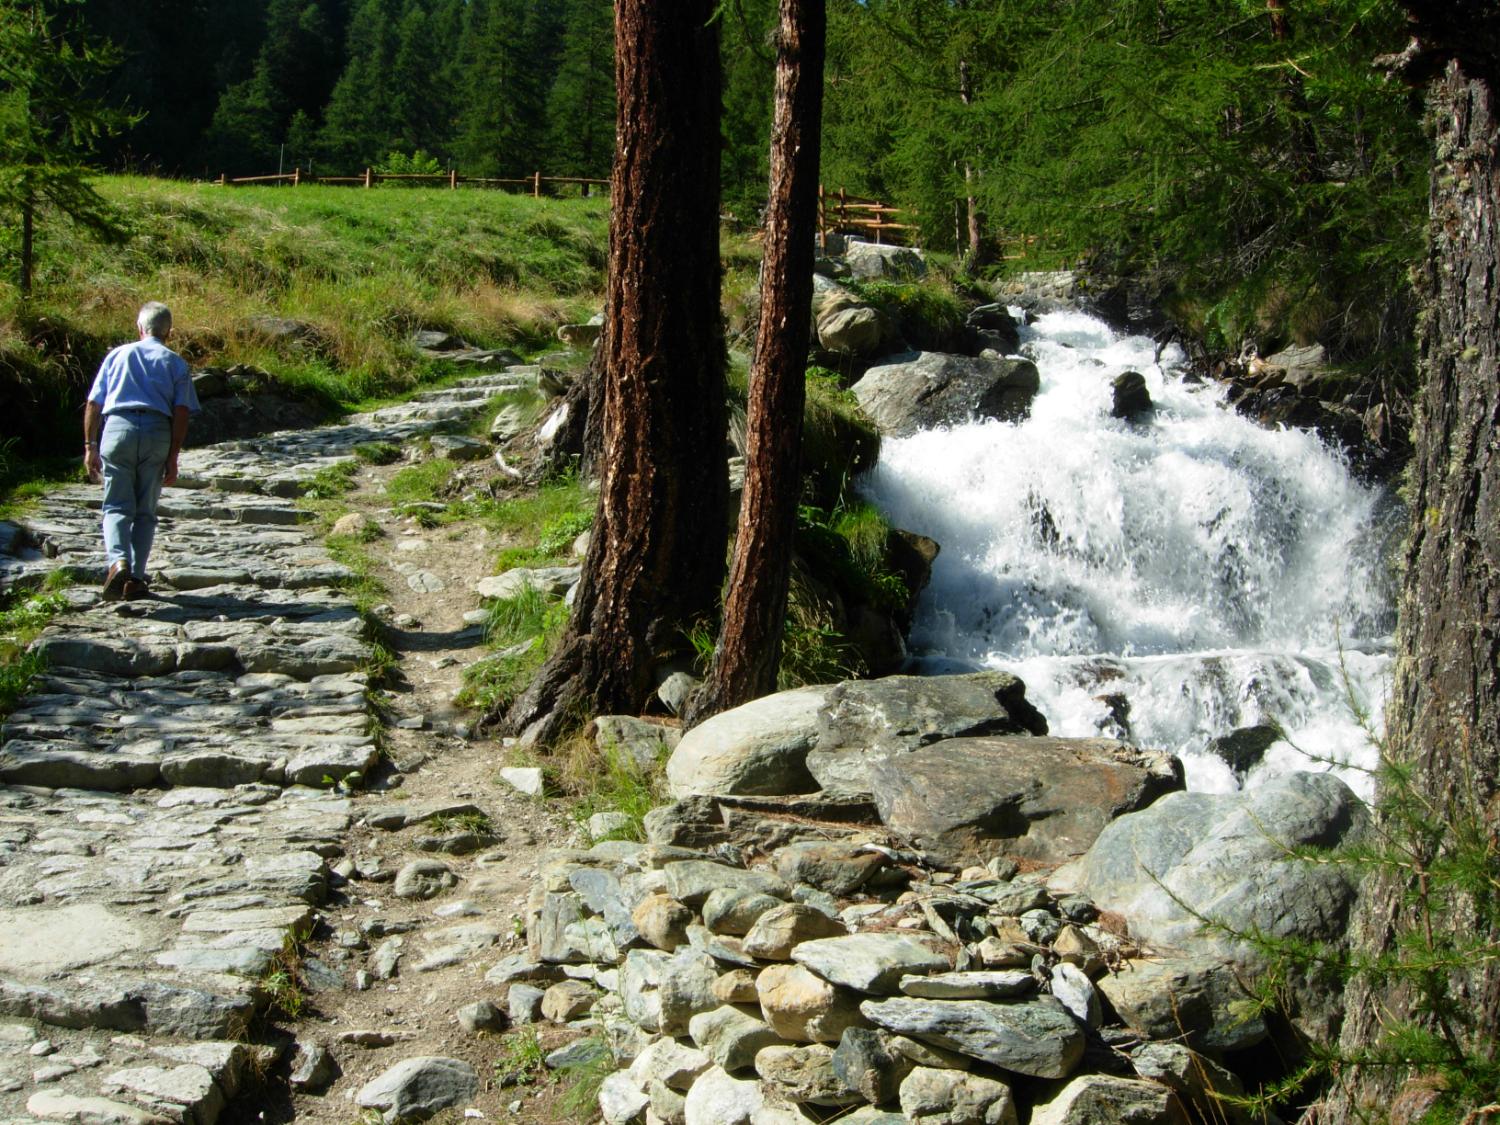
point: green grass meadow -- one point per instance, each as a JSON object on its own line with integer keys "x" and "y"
{"x": 364, "y": 267}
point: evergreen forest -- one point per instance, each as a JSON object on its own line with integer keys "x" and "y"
{"x": 1113, "y": 124}
{"x": 1251, "y": 164}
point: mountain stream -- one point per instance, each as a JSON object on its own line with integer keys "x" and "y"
{"x": 1192, "y": 581}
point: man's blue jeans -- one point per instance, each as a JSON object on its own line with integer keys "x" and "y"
{"x": 134, "y": 448}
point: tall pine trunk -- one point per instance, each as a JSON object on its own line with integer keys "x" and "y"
{"x": 749, "y": 649}
{"x": 1444, "y": 718}
{"x": 656, "y": 554}
{"x": 28, "y": 238}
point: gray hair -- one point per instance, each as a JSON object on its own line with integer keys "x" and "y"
{"x": 154, "y": 319}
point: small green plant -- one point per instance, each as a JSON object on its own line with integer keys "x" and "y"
{"x": 476, "y": 822}
{"x": 838, "y": 440}
{"x": 530, "y": 613}
{"x": 610, "y": 780}
{"x": 523, "y": 405}
{"x": 928, "y": 313}
{"x": 16, "y": 676}
{"x": 349, "y": 783}
{"x": 521, "y": 1060}
{"x": 525, "y": 629}
{"x": 865, "y": 528}
{"x": 851, "y": 549}
{"x": 282, "y": 983}
{"x": 813, "y": 651}
{"x": 378, "y": 452}
{"x": 559, "y": 534}
{"x": 362, "y": 585}
{"x": 557, "y": 499}
{"x": 493, "y": 683}
{"x": 421, "y": 483}
{"x": 20, "y": 622}
{"x": 579, "y": 1100}
{"x": 23, "y": 481}
{"x": 701, "y": 637}
{"x": 331, "y": 481}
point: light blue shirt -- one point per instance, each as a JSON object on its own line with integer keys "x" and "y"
{"x": 145, "y": 375}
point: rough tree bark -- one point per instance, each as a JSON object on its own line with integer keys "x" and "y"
{"x": 1444, "y": 718}
{"x": 655, "y": 559}
{"x": 749, "y": 648}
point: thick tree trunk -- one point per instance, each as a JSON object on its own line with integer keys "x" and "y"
{"x": 1444, "y": 720}
{"x": 974, "y": 256}
{"x": 749, "y": 649}
{"x": 656, "y": 558}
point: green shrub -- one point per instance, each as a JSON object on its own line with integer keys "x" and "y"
{"x": 928, "y": 314}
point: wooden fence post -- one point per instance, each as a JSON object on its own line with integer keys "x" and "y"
{"x": 536, "y": 186}
{"x": 453, "y": 179}
{"x": 296, "y": 177}
{"x": 369, "y": 177}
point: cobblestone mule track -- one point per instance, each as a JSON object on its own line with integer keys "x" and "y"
{"x": 166, "y": 816}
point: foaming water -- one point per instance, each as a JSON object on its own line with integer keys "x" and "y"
{"x": 1173, "y": 579}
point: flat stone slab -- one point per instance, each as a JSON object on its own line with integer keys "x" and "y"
{"x": 39, "y": 941}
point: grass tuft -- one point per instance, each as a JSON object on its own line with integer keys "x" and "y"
{"x": 422, "y": 483}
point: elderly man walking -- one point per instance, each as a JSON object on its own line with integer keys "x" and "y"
{"x": 134, "y": 423}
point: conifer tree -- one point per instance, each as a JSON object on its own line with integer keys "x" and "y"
{"x": 291, "y": 77}
{"x": 358, "y": 125}
{"x": 509, "y": 53}
{"x": 662, "y": 482}
{"x": 749, "y": 54}
{"x": 421, "y": 101}
{"x": 581, "y": 102}
{"x": 48, "y": 126}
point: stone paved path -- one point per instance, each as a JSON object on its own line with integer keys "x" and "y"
{"x": 167, "y": 818}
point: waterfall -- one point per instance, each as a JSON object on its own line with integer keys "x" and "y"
{"x": 1171, "y": 580}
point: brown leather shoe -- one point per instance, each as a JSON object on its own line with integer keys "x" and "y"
{"x": 136, "y": 588}
{"x": 115, "y": 580}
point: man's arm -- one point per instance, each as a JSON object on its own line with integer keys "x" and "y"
{"x": 92, "y": 427}
{"x": 179, "y": 435}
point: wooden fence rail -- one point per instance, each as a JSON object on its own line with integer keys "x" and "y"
{"x": 838, "y": 212}
{"x": 841, "y": 212}
{"x": 450, "y": 179}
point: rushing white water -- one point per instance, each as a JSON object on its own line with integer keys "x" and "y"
{"x": 1211, "y": 573}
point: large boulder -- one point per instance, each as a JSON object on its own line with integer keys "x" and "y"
{"x": 1198, "y": 1000}
{"x": 1132, "y": 398}
{"x": 992, "y": 327}
{"x": 968, "y": 799}
{"x": 1299, "y": 367}
{"x": 846, "y": 326}
{"x": 869, "y": 261}
{"x": 1033, "y": 1037}
{"x": 1104, "y": 1099}
{"x": 829, "y": 737}
{"x": 1223, "y": 857}
{"x": 923, "y": 390}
